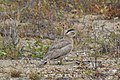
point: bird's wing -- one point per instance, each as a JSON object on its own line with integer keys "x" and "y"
{"x": 59, "y": 44}
{"x": 56, "y": 53}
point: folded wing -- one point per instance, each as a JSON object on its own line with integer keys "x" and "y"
{"x": 58, "y": 49}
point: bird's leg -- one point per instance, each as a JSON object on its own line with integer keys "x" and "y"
{"x": 60, "y": 61}
{"x": 48, "y": 62}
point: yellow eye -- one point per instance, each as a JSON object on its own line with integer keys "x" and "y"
{"x": 72, "y": 33}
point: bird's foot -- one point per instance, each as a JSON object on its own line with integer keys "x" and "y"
{"x": 60, "y": 62}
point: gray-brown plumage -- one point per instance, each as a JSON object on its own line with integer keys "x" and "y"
{"x": 60, "y": 48}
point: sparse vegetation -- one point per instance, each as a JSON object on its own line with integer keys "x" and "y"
{"x": 28, "y": 28}
{"x": 34, "y": 76}
{"x": 15, "y": 73}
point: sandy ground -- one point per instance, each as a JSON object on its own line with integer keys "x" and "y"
{"x": 75, "y": 68}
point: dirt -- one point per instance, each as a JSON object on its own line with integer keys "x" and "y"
{"x": 78, "y": 66}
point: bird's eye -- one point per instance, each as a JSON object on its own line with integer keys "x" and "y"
{"x": 72, "y": 33}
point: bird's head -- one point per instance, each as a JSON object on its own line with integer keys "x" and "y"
{"x": 70, "y": 33}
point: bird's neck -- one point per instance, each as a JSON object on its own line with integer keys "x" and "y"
{"x": 72, "y": 42}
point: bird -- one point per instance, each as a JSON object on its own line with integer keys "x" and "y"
{"x": 61, "y": 47}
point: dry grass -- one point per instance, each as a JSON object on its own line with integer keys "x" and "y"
{"x": 15, "y": 73}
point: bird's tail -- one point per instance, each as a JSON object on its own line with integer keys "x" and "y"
{"x": 43, "y": 62}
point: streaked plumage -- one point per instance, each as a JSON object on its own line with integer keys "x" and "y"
{"x": 60, "y": 48}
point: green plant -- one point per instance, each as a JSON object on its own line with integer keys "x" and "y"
{"x": 39, "y": 47}
{"x": 2, "y": 53}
